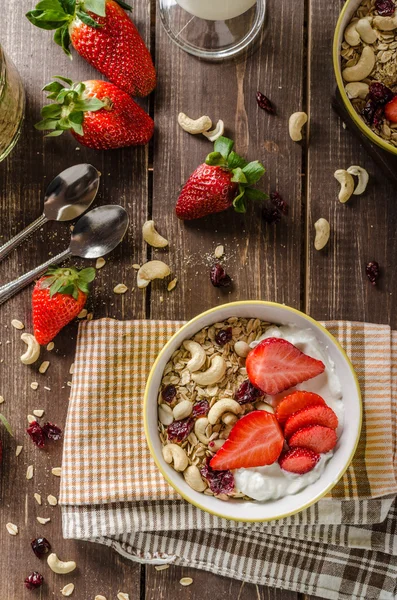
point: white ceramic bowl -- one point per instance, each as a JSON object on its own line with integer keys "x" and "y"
{"x": 273, "y": 509}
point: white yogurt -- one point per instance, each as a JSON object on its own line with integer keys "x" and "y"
{"x": 218, "y": 10}
{"x": 271, "y": 482}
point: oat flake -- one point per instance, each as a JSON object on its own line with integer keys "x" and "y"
{"x": 42, "y": 520}
{"x": 29, "y": 472}
{"x": 68, "y": 589}
{"x": 52, "y": 501}
{"x": 37, "y": 497}
{"x": 18, "y": 450}
{"x": 56, "y": 471}
{"x": 17, "y": 324}
{"x": 12, "y": 529}
{"x": 185, "y": 581}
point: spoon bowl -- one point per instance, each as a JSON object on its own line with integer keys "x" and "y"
{"x": 98, "y": 232}
{"x": 71, "y": 192}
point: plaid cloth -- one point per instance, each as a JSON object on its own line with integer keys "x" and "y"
{"x": 112, "y": 492}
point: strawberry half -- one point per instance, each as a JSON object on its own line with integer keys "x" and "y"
{"x": 296, "y": 401}
{"x": 224, "y": 180}
{"x": 391, "y": 110}
{"x": 299, "y": 460}
{"x": 255, "y": 440}
{"x": 315, "y": 437}
{"x": 97, "y": 113}
{"x": 275, "y": 365}
{"x": 314, "y": 415}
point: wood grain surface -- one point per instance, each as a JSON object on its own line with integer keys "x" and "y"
{"x": 293, "y": 67}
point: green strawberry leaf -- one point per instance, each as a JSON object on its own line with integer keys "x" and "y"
{"x": 76, "y": 117}
{"x": 254, "y": 171}
{"x": 51, "y": 16}
{"x": 256, "y": 195}
{"x": 49, "y": 5}
{"x": 239, "y": 201}
{"x": 96, "y": 6}
{"x": 62, "y": 38}
{"x": 69, "y": 6}
{"x": 234, "y": 160}
{"x": 87, "y": 275}
{"x": 91, "y": 104}
{"x": 215, "y": 159}
{"x": 87, "y": 20}
{"x": 33, "y": 15}
{"x": 123, "y": 5}
{"x": 77, "y": 128}
{"x": 64, "y": 79}
{"x": 56, "y": 286}
{"x": 239, "y": 176}
{"x": 224, "y": 146}
{"x": 6, "y": 424}
{"x": 54, "y": 87}
{"x": 51, "y": 110}
{"x": 46, "y": 124}
{"x": 55, "y": 133}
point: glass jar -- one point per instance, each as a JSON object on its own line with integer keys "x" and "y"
{"x": 12, "y": 105}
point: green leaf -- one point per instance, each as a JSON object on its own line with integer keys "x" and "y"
{"x": 91, "y": 104}
{"x": 87, "y": 20}
{"x": 64, "y": 79}
{"x": 56, "y": 286}
{"x": 51, "y": 111}
{"x": 224, "y": 146}
{"x": 55, "y": 133}
{"x": 215, "y": 159}
{"x": 124, "y": 5}
{"x": 76, "y": 117}
{"x": 49, "y": 5}
{"x": 69, "y": 6}
{"x": 239, "y": 201}
{"x": 254, "y": 171}
{"x": 96, "y": 6}
{"x": 46, "y": 124}
{"x": 234, "y": 160}
{"x": 51, "y": 16}
{"x": 62, "y": 38}
{"x": 54, "y": 86}
{"x": 42, "y": 24}
{"x": 238, "y": 176}
{"x": 77, "y": 128}
{"x": 87, "y": 274}
{"x": 256, "y": 195}
{"x": 6, "y": 424}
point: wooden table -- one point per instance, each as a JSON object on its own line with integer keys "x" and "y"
{"x": 294, "y": 68}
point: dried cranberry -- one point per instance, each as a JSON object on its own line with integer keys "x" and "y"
{"x": 200, "y": 408}
{"x": 369, "y": 111}
{"x": 373, "y": 271}
{"x": 34, "y": 580}
{"x": 247, "y": 393}
{"x": 380, "y": 93}
{"x": 264, "y": 102}
{"x": 385, "y": 8}
{"x": 223, "y": 336}
{"x": 36, "y": 433}
{"x": 179, "y": 431}
{"x": 40, "y": 546}
{"x": 271, "y": 215}
{"x": 378, "y": 117}
{"x": 169, "y": 393}
{"x": 220, "y": 482}
{"x": 219, "y": 277}
{"x": 52, "y": 431}
{"x": 279, "y": 203}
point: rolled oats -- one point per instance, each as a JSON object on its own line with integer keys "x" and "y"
{"x": 12, "y": 529}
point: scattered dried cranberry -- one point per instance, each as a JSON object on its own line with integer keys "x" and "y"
{"x": 40, "y": 546}
{"x": 264, "y": 102}
{"x": 385, "y": 8}
{"x": 34, "y": 580}
{"x": 36, "y": 433}
{"x": 271, "y": 215}
{"x": 223, "y": 336}
{"x": 52, "y": 431}
{"x": 373, "y": 271}
{"x": 169, "y": 393}
{"x": 219, "y": 277}
{"x": 200, "y": 408}
{"x": 247, "y": 393}
{"x": 380, "y": 93}
{"x": 279, "y": 203}
{"x": 369, "y": 111}
{"x": 179, "y": 431}
{"x": 220, "y": 482}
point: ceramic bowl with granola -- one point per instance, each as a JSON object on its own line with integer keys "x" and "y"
{"x": 252, "y": 411}
{"x": 365, "y": 62}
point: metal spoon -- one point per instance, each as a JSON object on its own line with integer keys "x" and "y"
{"x": 97, "y": 233}
{"x": 67, "y": 197}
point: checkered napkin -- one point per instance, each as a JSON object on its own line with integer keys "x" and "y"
{"x": 112, "y": 493}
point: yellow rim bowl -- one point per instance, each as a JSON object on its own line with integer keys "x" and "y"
{"x": 348, "y": 10}
{"x": 238, "y": 510}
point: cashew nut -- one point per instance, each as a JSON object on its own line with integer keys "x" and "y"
{"x": 363, "y": 68}
{"x": 198, "y": 355}
{"x": 216, "y": 445}
{"x": 166, "y": 416}
{"x": 322, "y": 234}
{"x": 362, "y": 176}
{"x": 351, "y": 35}
{"x": 33, "y": 349}
{"x": 385, "y": 23}
{"x": 367, "y": 34}
{"x": 154, "y": 269}
{"x": 357, "y": 89}
{"x": 199, "y": 429}
{"x": 222, "y": 406}
{"x": 212, "y": 375}
{"x": 193, "y": 478}
{"x": 182, "y": 410}
{"x": 264, "y": 406}
{"x": 347, "y": 184}
{"x": 229, "y": 418}
{"x": 175, "y": 454}
{"x": 242, "y": 349}
{"x": 152, "y": 237}
{"x": 59, "y": 566}
{"x": 215, "y": 133}
{"x": 296, "y": 122}
{"x": 194, "y": 126}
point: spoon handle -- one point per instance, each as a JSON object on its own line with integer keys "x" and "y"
{"x": 17, "y": 239}
{"x": 9, "y": 289}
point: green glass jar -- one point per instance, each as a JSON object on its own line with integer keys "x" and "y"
{"x": 12, "y": 105}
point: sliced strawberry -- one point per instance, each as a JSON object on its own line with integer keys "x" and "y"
{"x": 314, "y": 415}
{"x": 391, "y": 110}
{"x": 255, "y": 440}
{"x": 318, "y": 438}
{"x": 296, "y": 401}
{"x": 299, "y": 460}
{"x": 275, "y": 365}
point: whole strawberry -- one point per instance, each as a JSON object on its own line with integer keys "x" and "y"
{"x": 97, "y": 113}
{"x": 57, "y": 299}
{"x": 224, "y": 180}
{"x": 103, "y": 35}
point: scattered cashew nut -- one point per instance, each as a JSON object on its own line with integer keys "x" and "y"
{"x": 351, "y": 35}
{"x": 166, "y": 416}
{"x": 222, "y": 406}
{"x": 215, "y": 133}
{"x": 212, "y": 375}
{"x": 152, "y": 237}
{"x": 357, "y": 89}
{"x": 182, "y": 410}
{"x": 385, "y": 23}
{"x": 194, "y": 126}
{"x": 193, "y": 478}
{"x": 362, "y": 176}
{"x": 154, "y": 269}
{"x": 347, "y": 184}
{"x": 33, "y": 349}
{"x": 199, "y": 429}
{"x": 59, "y": 566}
{"x": 367, "y": 34}
{"x": 296, "y": 122}
{"x": 322, "y": 233}
{"x": 363, "y": 68}
{"x": 175, "y": 454}
{"x": 198, "y": 355}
